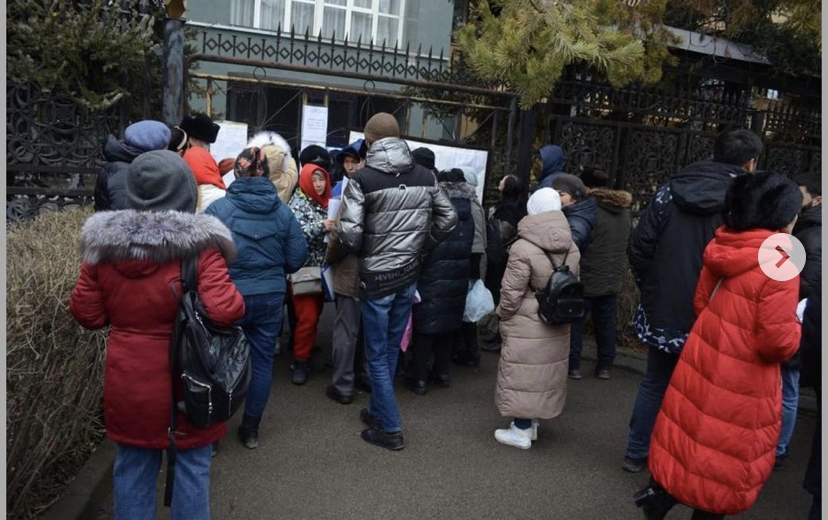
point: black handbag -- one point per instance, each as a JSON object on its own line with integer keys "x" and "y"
{"x": 211, "y": 363}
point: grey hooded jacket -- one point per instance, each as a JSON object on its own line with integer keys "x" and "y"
{"x": 393, "y": 213}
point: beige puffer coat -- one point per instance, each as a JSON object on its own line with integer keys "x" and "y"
{"x": 283, "y": 171}
{"x": 531, "y": 379}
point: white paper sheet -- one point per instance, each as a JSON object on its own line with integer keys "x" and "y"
{"x": 314, "y": 125}
{"x": 231, "y": 140}
{"x": 446, "y": 157}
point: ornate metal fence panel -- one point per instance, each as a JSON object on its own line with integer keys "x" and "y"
{"x": 639, "y": 137}
{"x": 53, "y": 149}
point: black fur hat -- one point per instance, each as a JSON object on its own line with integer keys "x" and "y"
{"x": 315, "y": 154}
{"x": 200, "y": 126}
{"x": 762, "y": 200}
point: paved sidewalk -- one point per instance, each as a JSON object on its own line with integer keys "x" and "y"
{"x": 312, "y": 464}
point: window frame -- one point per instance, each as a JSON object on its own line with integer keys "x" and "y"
{"x": 349, "y": 8}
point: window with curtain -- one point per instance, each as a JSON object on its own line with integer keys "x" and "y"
{"x": 365, "y": 20}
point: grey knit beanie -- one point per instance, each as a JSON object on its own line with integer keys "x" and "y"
{"x": 159, "y": 181}
{"x": 570, "y": 184}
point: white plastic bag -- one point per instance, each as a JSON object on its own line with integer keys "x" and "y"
{"x": 479, "y": 302}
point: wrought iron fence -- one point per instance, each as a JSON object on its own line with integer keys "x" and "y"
{"x": 640, "y": 136}
{"x": 327, "y": 55}
{"x": 53, "y": 149}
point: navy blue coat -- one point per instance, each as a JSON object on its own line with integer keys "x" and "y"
{"x": 110, "y": 188}
{"x": 444, "y": 282}
{"x": 268, "y": 238}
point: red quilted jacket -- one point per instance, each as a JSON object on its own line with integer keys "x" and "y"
{"x": 131, "y": 266}
{"x": 713, "y": 446}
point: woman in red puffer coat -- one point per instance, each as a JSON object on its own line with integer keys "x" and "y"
{"x": 713, "y": 446}
{"x": 129, "y": 277}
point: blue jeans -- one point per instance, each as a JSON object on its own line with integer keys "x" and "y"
{"x": 384, "y": 321}
{"x": 790, "y": 402}
{"x": 660, "y": 366}
{"x": 603, "y": 319}
{"x": 135, "y": 475}
{"x": 262, "y": 324}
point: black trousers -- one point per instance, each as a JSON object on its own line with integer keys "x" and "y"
{"x": 440, "y": 345}
{"x": 663, "y": 502}
{"x": 465, "y": 342}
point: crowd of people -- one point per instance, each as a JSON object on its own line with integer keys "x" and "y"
{"x": 397, "y": 246}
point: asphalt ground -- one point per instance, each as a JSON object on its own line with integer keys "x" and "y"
{"x": 312, "y": 464}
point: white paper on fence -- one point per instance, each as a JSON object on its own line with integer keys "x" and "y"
{"x": 231, "y": 140}
{"x": 314, "y": 125}
{"x": 447, "y": 157}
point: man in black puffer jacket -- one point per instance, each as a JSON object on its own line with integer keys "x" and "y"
{"x": 393, "y": 212}
{"x": 443, "y": 287}
{"x": 140, "y": 137}
{"x": 665, "y": 254}
{"x": 808, "y": 230}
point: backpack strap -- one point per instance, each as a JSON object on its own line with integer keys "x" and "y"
{"x": 189, "y": 282}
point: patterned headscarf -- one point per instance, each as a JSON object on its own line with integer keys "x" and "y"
{"x": 252, "y": 162}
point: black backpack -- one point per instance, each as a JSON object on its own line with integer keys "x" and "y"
{"x": 211, "y": 363}
{"x": 562, "y": 300}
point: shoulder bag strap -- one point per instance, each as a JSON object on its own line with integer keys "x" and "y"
{"x": 188, "y": 283}
{"x": 715, "y": 289}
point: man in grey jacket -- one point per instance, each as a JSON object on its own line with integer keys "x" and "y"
{"x": 393, "y": 212}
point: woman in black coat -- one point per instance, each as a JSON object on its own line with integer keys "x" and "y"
{"x": 502, "y": 229}
{"x": 443, "y": 286}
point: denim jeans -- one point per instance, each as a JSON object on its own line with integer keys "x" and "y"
{"x": 262, "y": 325}
{"x": 603, "y": 319}
{"x": 790, "y": 402}
{"x": 135, "y": 475}
{"x": 384, "y": 321}
{"x": 660, "y": 366}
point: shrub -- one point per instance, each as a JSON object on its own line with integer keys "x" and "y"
{"x": 54, "y": 368}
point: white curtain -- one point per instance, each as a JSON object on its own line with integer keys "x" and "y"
{"x": 273, "y": 14}
{"x": 365, "y": 4}
{"x": 387, "y": 31}
{"x": 360, "y": 27}
{"x": 301, "y": 16}
{"x": 389, "y": 7}
{"x": 333, "y": 23}
{"x": 241, "y": 12}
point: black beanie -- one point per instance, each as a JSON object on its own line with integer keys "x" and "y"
{"x": 161, "y": 180}
{"x": 201, "y": 127}
{"x": 762, "y": 200}
{"x": 315, "y": 154}
{"x": 424, "y": 157}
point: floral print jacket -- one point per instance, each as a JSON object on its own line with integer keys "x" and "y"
{"x": 310, "y": 216}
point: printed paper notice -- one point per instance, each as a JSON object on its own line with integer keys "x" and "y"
{"x": 314, "y": 125}
{"x": 231, "y": 140}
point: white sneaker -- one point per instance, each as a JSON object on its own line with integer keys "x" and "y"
{"x": 535, "y": 423}
{"x": 515, "y": 437}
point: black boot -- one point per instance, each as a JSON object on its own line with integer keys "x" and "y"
{"x": 249, "y": 432}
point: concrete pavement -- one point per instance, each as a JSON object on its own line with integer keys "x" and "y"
{"x": 312, "y": 464}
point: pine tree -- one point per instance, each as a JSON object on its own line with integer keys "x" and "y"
{"x": 526, "y": 44}
{"x": 91, "y": 52}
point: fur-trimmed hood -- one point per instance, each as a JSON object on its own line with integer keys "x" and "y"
{"x": 612, "y": 200}
{"x": 149, "y": 236}
{"x": 460, "y": 189}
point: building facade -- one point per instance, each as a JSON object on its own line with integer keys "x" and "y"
{"x": 309, "y": 34}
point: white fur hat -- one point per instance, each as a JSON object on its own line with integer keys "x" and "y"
{"x": 266, "y": 140}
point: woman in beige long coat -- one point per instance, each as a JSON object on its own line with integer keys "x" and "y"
{"x": 531, "y": 380}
